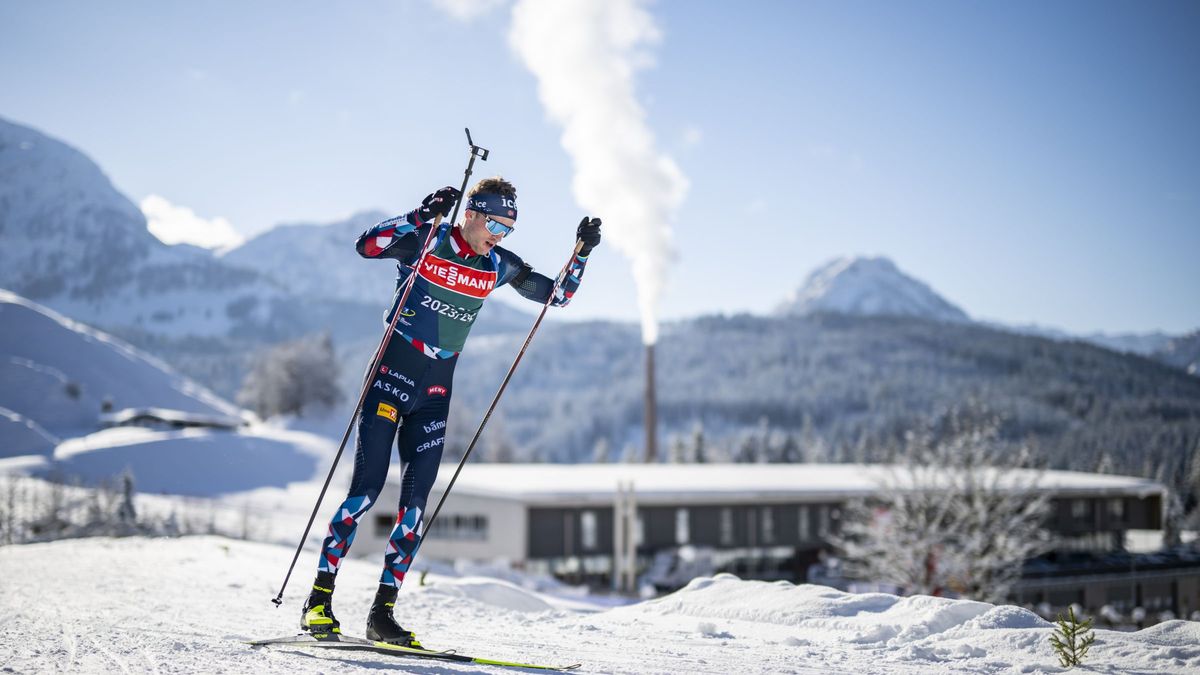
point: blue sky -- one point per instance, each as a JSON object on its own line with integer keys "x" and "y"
{"x": 1032, "y": 162}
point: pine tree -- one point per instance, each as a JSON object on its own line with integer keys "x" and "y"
{"x": 677, "y": 452}
{"x": 126, "y": 513}
{"x": 699, "y": 451}
{"x": 1072, "y": 638}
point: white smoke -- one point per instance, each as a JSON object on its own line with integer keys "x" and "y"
{"x": 584, "y": 54}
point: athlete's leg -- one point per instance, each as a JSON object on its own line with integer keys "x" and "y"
{"x": 420, "y": 442}
{"x": 387, "y": 399}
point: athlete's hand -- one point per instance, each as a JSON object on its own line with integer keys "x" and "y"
{"x": 589, "y": 233}
{"x": 439, "y": 203}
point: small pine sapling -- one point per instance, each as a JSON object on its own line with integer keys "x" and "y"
{"x": 1072, "y": 638}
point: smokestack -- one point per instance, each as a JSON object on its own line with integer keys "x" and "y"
{"x": 651, "y": 418}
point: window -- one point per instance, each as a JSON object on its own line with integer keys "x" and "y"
{"x": 768, "y": 525}
{"x": 587, "y": 526}
{"x": 726, "y": 525}
{"x": 460, "y": 527}
{"x": 1116, "y": 509}
{"x": 682, "y": 535}
{"x": 822, "y": 521}
{"x": 805, "y": 528}
{"x": 1079, "y": 508}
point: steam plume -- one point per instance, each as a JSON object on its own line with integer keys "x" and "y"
{"x": 584, "y": 54}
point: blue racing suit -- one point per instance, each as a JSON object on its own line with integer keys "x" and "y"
{"x": 408, "y": 398}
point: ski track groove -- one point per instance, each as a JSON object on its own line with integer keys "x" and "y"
{"x": 70, "y": 645}
{"x": 115, "y": 659}
{"x": 150, "y": 659}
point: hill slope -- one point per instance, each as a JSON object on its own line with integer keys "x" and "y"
{"x": 55, "y": 375}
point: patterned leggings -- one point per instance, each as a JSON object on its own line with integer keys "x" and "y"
{"x": 408, "y": 401}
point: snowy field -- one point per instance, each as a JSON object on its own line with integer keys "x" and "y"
{"x": 184, "y": 605}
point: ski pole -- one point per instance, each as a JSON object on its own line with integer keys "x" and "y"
{"x": 476, "y": 151}
{"x": 496, "y": 399}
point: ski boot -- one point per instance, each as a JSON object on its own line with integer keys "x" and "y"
{"x": 317, "y": 618}
{"x": 382, "y": 627}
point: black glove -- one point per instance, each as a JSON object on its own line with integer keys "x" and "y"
{"x": 589, "y": 233}
{"x": 439, "y": 203}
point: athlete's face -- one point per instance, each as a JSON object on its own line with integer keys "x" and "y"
{"x": 475, "y": 231}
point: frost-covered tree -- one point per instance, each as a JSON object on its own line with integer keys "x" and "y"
{"x": 953, "y": 515}
{"x": 698, "y": 449}
{"x": 678, "y": 451}
{"x": 602, "y": 451}
{"x": 293, "y": 377}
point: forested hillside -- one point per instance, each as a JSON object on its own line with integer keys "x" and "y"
{"x": 832, "y": 387}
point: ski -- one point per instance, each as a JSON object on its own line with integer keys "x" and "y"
{"x": 349, "y": 643}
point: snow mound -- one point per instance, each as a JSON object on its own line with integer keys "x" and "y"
{"x": 195, "y": 462}
{"x": 494, "y": 592}
{"x": 1007, "y": 616}
{"x": 865, "y": 619}
{"x": 1174, "y": 634}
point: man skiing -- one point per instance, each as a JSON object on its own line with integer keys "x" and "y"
{"x": 409, "y": 395}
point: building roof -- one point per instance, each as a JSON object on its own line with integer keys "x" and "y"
{"x": 174, "y": 417}
{"x": 678, "y": 483}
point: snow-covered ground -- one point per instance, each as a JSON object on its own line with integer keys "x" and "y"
{"x": 185, "y": 606}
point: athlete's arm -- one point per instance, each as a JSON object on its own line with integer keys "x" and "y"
{"x": 393, "y": 238}
{"x": 401, "y": 237}
{"x": 536, "y": 286}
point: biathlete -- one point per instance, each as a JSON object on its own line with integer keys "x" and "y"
{"x": 409, "y": 395}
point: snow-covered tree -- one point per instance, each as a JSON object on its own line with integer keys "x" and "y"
{"x": 602, "y": 451}
{"x": 678, "y": 450}
{"x": 698, "y": 448}
{"x": 293, "y": 377}
{"x": 952, "y": 516}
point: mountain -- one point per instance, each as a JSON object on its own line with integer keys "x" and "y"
{"x": 316, "y": 260}
{"x": 868, "y": 287}
{"x": 831, "y": 387}
{"x": 74, "y": 243}
{"x": 876, "y": 287}
{"x": 1182, "y": 352}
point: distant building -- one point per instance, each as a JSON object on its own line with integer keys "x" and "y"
{"x": 163, "y": 418}
{"x": 765, "y": 521}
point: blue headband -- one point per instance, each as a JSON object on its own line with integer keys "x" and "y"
{"x": 494, "y": 205}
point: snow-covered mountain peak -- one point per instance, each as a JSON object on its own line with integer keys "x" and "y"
{"x": 62, "y": 220}
{"x": 868, "y": 286}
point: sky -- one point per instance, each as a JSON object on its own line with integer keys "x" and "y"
{"x": 1032, "y": 162}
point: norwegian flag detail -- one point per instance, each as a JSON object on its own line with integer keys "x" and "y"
{"x": 376, "y": 240}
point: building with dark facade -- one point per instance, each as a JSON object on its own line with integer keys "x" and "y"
{"x": 602, "y": 523}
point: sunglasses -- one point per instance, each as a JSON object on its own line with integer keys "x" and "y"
{"x": 497, "y": 227}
